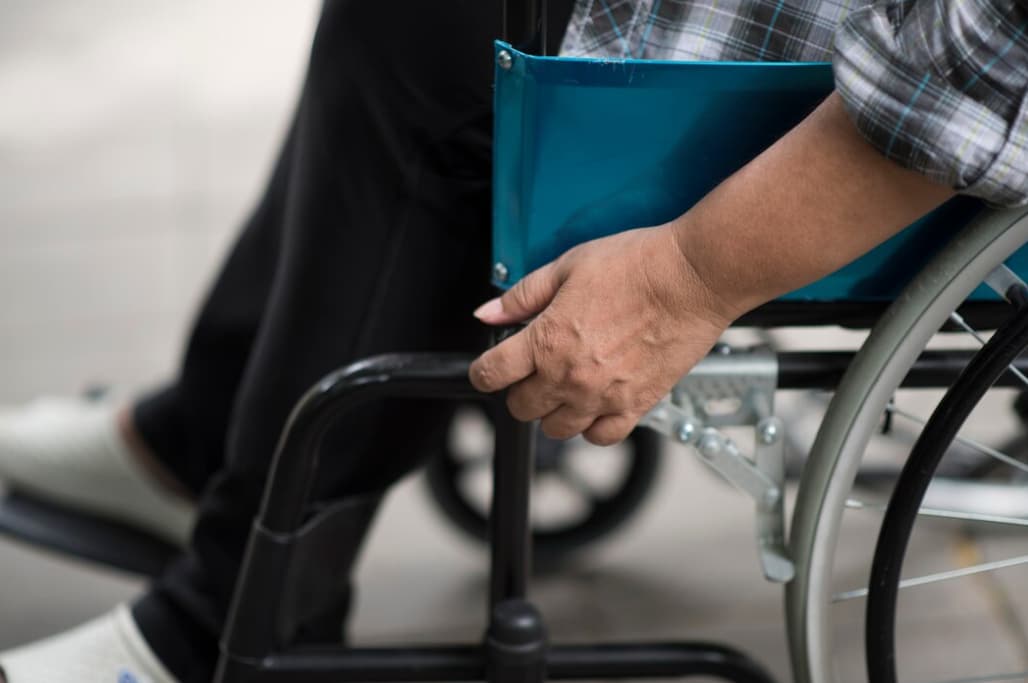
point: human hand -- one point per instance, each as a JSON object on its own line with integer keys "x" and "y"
{"x": 618, "y": 321}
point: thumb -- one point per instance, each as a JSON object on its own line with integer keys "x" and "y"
{"x": 525, "y": 299}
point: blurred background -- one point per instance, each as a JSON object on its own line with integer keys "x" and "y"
{"x": 133, "y": 138}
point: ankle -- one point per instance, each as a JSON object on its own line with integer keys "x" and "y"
{"x": 144, "y": 456}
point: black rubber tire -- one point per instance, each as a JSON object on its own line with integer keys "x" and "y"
{"x": 553, "y": 547}
{"x": 985, "y": 368}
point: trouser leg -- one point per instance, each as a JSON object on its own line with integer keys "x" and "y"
{"x": 384, "y": 247}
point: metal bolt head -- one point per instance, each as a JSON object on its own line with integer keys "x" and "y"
{"x": 768, "y": 433}
{"x": 500, "y": 272}
{"x": 686, "y": 431}
{"x": 722, "y": 349}
{"x": 504, "y": 59}
{"x": 709, "y": 446}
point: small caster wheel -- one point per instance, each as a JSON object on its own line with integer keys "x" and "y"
{"x": 581, "y": 493}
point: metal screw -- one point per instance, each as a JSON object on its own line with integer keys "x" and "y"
{"x": 722, "y": 349}
{"x": 504, "y": 59}
{"x": 500, "y": 272}
{"x": 768, "y": 432}
{"x": 709, "y": 446}
{"x": 686, "y": 431}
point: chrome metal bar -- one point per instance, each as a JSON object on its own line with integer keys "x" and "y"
{"x": 854, "y": 504}
{"x": 991, "y": 452}
{"x": 1012, "y": 676}
{"x": 963, "y": 324}
{"x": 940, "y": 576}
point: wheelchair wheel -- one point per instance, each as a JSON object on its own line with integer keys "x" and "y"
{"x": 581, "y": 493}
{"x": 905, "y": 505}
{"x": 824, "y": 603}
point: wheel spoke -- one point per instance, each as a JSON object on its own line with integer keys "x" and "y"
{"x": 959, "y": 320}
{"x": 1002, "y": 280}
{"x": 1011, "y": 676}
{"x": 980, "y": 447}
{"x": 854, "y": 504}
{"x": 940, "y": 576}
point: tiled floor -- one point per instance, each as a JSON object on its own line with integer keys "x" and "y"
{"x": 132, "y": 138}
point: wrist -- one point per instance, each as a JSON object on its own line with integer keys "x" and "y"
{"x": 711, "y": 266}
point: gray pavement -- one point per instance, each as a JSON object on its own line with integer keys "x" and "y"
{"x": 133, "y": 137}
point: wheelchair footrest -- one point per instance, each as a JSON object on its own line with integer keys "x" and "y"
{"x": 84, "y": 536}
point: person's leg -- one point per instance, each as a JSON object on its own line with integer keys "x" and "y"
{"x": 385, "y": 248}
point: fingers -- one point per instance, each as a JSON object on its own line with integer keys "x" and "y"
{"x": 528, "y": 297}
{"x": 531, "y": 399}
{"x": 508, "y": 362}
{"x": 565, "y": 422}
{"x": 610, "y": 429}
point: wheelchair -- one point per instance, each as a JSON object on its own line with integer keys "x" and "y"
{"x": 584, "y": 148}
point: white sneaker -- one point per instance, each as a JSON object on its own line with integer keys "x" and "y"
{"x": 69, "y": 452}
{"x": 109, "y": 649}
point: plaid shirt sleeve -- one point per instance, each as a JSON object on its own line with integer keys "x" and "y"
{"x": 941, "y": 86}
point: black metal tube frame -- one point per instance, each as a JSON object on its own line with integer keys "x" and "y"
{"x": 468, "y": 663}
{"x": 515, "y": 648}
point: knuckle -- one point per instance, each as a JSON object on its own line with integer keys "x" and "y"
{"x": 567, "y": 260}
{"x": 617, "y": 397}
{"x": 519, "y": 293}
{"x": 482, "y": 375}
{"x": 581, "y": 378}
{"x": 545, "y": 335}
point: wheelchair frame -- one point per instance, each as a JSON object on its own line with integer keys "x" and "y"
{"x": 287, "y": 549}
{"x": 515, "y": 646}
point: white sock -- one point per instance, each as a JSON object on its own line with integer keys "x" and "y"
{"x": 70, "y": 452}
{"x": 109, "y": 649}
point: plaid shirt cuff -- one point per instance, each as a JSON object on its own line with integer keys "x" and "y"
{"x": 940, "y": 96}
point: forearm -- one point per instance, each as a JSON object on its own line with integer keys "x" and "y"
{"x": 817, "y": 199}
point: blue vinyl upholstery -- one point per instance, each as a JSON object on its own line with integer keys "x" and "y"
{"x": 587, "y": 147}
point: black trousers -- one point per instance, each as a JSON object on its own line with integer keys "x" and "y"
{"x": 372, "y": 236}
